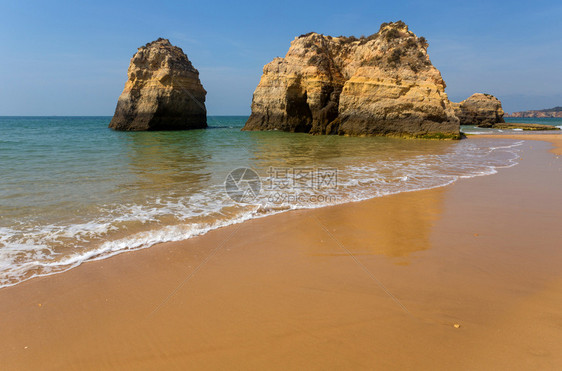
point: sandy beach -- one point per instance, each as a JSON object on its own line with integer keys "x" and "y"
{"x": 554, "y": 139}
{"x": 465, "y": 276}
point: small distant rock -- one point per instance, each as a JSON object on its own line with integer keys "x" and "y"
{"x": 163, "y": 92}
{"x": 482, "y": 110}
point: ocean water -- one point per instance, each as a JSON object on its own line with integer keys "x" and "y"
{"x": 469, "y": 129}
{"x": 72, "y": 190}
{"x": 545, "y": 121}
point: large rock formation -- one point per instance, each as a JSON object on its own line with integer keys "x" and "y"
{"x": 383, "y": 84}
{"x": 483, "y": 110}
{"x": 163, "y": 92}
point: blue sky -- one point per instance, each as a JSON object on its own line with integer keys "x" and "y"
{"x": 71, "y": 57}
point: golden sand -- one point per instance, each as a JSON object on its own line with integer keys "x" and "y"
{"x": 462, "y": 277}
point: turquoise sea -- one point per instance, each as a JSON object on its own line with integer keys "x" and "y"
{"x": 73, "y": 190}
{"x": 544, "y": 121}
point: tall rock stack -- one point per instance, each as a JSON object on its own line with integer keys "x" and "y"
{"x": 383, "y": 84}
{"x": 163, "y": 92}
{"x": 483, "y": 110}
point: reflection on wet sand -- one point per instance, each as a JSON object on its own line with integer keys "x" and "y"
{"x": 391, "y": 226}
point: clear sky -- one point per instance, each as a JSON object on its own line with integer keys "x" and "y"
{"x": 71, "y": 57}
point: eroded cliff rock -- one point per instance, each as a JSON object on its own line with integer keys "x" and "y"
{"x": 483, "y": 110}
{"x": 163, "y": 91}
{"x": 383, "y": 84}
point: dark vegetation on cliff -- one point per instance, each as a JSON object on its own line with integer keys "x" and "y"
{"x": 555, "y": 109}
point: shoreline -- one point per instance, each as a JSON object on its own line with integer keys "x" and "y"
{"x": 554, "y": 139}
{"x": 308, "y": 287}
{"x": 129, "y": 244}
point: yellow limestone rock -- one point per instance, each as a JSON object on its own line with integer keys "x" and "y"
{"x": 163, "y": 91}
{"x": 383, "y": 84}
{"x": 483, "y": 110}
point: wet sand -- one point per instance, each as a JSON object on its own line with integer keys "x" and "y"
{"x": 554, "y": 139}
{"x": 461, "y": 277}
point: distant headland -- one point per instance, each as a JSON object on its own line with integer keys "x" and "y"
{"x": 555, "y": 112}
